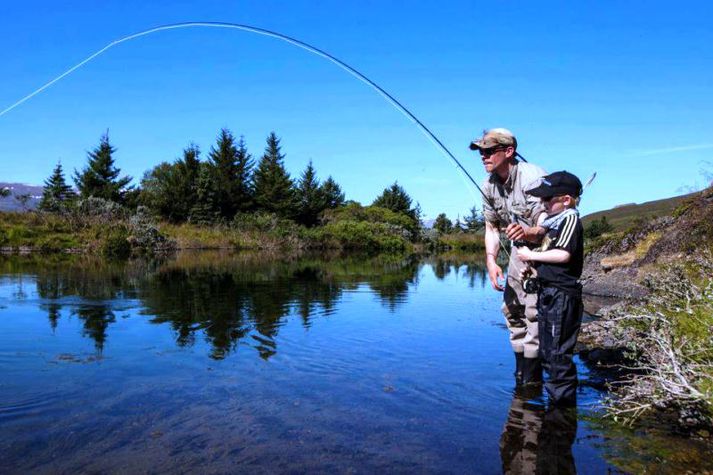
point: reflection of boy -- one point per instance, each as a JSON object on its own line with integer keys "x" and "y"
{"x": 559, "y": 265}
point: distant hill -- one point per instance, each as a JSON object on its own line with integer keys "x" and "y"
{"x": 10, "y": 203}
{"x": 622, "y": 216}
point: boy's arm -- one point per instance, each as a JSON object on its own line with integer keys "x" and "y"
{"x": 553, "y": 256}
{"x": 564, "y": 244}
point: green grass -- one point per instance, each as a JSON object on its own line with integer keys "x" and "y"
{"x": 625, "y": 216}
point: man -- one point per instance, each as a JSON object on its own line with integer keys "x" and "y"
{"x": 507, "y": 207}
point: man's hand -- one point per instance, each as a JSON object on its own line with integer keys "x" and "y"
{"x": 518, "y": 232}
{"x": 495, "y": 273}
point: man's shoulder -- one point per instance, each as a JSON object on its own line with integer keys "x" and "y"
{"x": 529, "y": 171}
{"x": 488, "y": 184}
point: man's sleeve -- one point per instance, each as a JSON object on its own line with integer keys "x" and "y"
{"x": 536, "y": 208}
{"x": 489, "y": 213}
{"x": 568, "y": 234}
{"x": 534, "y": 204}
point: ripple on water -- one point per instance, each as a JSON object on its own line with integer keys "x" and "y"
{"x": 37, "y": 405}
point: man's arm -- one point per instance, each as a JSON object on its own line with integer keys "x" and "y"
{"x": 492, "y": 248}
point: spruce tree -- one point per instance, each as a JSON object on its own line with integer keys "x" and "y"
{"x": 274, "y": 190}
{"x": 187, "y": 172}
{"x": 442, "y": 224}
{"x": 56, "y": 193}
{"x": 231, "y": 166}
{"x": 100, "y": 178}
{"x": 312, "y": 199}
{"x": 205, "y": 209}
{"x": 474, "y": 221}
{"x": 243, "y": 192}
{"x": 396, "y": 199}
{"x": 333, "y": 193}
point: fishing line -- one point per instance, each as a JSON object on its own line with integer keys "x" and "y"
{"x": 301, "y": 44}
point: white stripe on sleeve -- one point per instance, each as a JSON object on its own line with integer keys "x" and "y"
{"x": 570, "y": 223}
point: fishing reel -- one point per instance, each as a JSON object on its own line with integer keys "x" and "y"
{"x": 531, "y": 285}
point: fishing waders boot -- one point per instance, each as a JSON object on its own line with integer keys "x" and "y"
{"x": 531, "y": 371}
{"x": 519, "y": 358}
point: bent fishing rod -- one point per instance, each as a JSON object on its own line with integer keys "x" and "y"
{"x": 265, "y": 32}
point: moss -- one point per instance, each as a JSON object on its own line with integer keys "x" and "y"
{"x": 643, "y": 246}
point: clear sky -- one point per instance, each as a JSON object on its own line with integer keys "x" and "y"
{"x": 620, "y": 88}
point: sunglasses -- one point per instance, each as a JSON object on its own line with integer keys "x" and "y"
{"x": 486, "y": 152}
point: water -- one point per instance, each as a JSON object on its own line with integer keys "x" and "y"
{"x": 218, "y": 363}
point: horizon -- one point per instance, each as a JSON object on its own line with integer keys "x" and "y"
{"x": 625, "y": 93}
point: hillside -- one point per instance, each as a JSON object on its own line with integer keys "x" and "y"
{"x": 622, "y": 217}
{"x": 661, "y": 271}
{"x": 10, "y": 203}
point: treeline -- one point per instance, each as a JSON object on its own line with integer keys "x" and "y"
{"x": 230, "y": 182}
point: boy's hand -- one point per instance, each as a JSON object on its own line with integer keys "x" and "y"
{"x": 524, "y": 254}
{"x": 525, "y": 272}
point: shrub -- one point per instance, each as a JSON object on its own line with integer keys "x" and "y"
{"x": 145, "y": 235}
{"x": 116, "y": 244}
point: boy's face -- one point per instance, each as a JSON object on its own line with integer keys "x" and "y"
{"x": 554, "y": 204}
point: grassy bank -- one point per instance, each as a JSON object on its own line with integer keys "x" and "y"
{"x": 119, "y": 233}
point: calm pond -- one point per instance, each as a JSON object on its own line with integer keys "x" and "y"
{"x": 223, "y": 363}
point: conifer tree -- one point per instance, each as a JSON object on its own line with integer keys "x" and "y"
{"x": 231, "y": 165}
{"x": 274, "y": 190}
{"x": 333, "y": 194}
{"x": 169, "y": 190}
{"x": 396, "y": 199}
{"x": 243, "y": 192}
{"x": 187, "y": 171}
{"x": 56, "y": 193}
{"x": 474, "y": 221}
{"x": 311, "y": 196}
{"x": 100, "y": 178}
{"x": 205, "y": 209}
{"x": 442, "y": 224}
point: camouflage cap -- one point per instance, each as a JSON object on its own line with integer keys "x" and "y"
{"x": 493, "y": 138}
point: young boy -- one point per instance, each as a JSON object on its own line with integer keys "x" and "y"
{"x": 558, "y": 264}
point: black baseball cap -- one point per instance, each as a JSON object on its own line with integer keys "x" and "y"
{"x": 557, "y": 184}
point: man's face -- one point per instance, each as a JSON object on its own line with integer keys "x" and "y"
{"x": 496, "y": 159}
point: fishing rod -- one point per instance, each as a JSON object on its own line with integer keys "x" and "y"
{"x": 301, "y": 44}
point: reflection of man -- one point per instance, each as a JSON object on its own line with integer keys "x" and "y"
{"x": 538, "y": 441}
{"x": 507, "y": 207}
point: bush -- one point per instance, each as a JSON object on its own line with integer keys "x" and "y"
{"x": 265, "y": 223}
{"x": 361, "y": 235}
{"x": 598, "y": 227}
{"x": 145, "y": 235}
{"x": 104, "y": 210}
{"x": 399, "y": 223}
{"x": 116, "y": 244}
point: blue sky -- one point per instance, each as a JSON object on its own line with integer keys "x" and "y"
{"x": 620, "y": 88}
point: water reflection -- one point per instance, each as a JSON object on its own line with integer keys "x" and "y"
{"x": 536, "y": 439}
{"x": 222, "y": 298}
